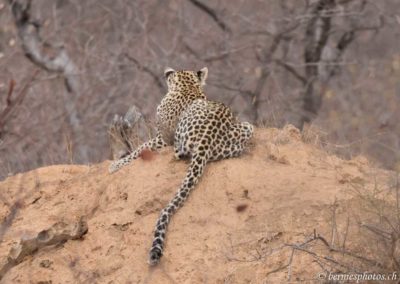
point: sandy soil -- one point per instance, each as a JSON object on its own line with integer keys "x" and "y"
{"x": 236, "y": 227}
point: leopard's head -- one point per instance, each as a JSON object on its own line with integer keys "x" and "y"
{"x": 181, "y": 80}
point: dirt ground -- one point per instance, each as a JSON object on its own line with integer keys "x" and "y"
{"x": 240, "y": 224}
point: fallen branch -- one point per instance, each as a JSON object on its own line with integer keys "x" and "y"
{"x": 316, "y": 237}
{"x": 59, "y": 233}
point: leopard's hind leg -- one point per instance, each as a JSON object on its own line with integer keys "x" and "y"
{"x": 234, "y": 141}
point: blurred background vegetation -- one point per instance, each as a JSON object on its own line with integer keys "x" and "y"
{"x": 68, "y": 66}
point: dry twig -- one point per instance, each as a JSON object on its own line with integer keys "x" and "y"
{"x": 12, "y": 104}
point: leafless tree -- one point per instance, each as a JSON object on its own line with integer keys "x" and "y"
{"x": 326, "y": 62}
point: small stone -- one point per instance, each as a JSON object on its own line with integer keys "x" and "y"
{"x": 45, "y": 263}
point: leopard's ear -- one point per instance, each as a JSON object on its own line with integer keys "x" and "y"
{"x": 202, "y": 74}
{"x": 168, "y": 71}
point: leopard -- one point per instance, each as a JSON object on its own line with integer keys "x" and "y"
{"x": 200, "y": 130}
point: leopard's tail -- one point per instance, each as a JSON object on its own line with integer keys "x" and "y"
{"x": 194, "y": 172}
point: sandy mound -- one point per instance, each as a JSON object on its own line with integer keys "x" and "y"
{"x": 238, "y": 226}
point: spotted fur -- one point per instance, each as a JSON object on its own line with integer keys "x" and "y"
{"x": 198, "y": 128}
